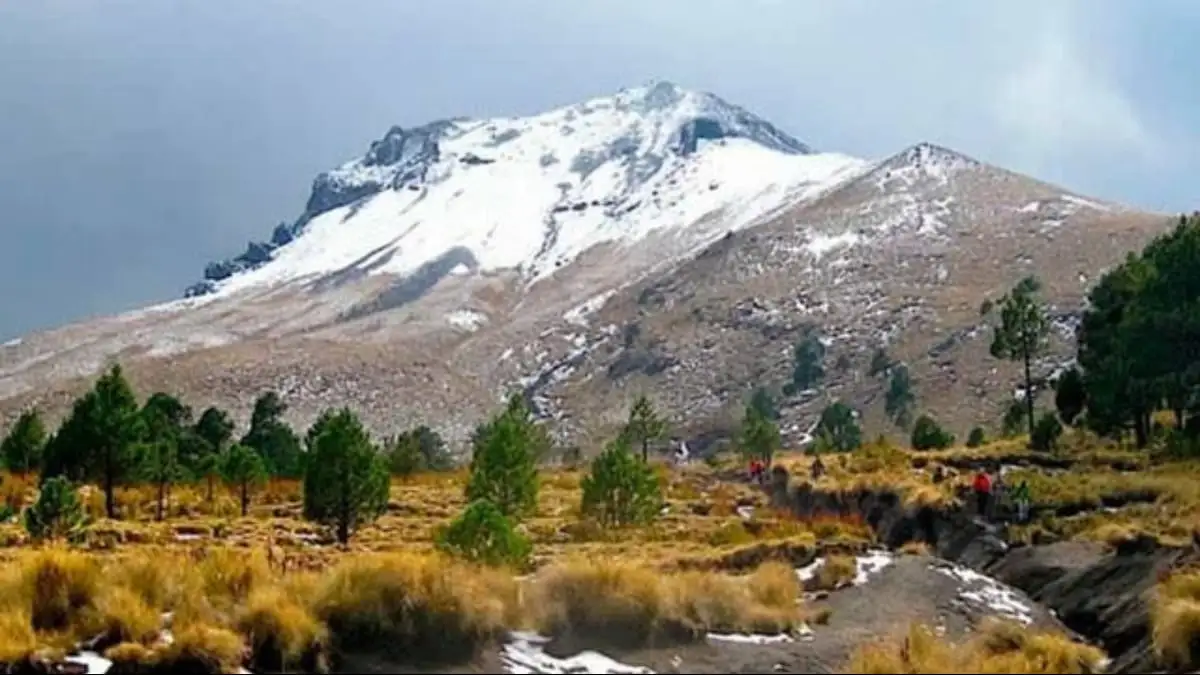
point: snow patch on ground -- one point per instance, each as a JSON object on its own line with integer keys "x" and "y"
{"x": 868, "y": 564}
{"x": 467, "y": 319}
{"x": 819, "y": 245}
{"x": 743, "y": 638}
{"x": 170, "y": 345}
{"x": 1085, "y": 203}
{"x": 578, "y": 315}
{"x": 524, "y": 655}
{"x": 92, "y": 661}
{"x": 985, "y": 593}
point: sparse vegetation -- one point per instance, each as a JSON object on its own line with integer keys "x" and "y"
{"x": 900, "y": 399}
{"x": 927, "y": 434}
{"x": 504, "y": 462}
{"x": 976, "y": 438}
{"x": 759, "y": 435}
{"x": 57, "y": 513}
{"x": 620, "y": 490}
{"x": 644, "y": 426}
{"x": 808, "y": 362}
{"x": 485, "y": 535}
{"x": 838, "y": 429}
{"x": 999, "y": 647}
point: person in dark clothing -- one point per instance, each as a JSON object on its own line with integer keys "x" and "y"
{"x": 939, "y": 474}
{"x": 817, "y": 469}
{"x": 982, "y": 486}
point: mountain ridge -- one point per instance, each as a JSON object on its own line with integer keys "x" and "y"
{"x": 453, "y": 263}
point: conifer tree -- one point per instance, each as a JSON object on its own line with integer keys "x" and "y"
{"x": 22, "y": 447}
{"x": 346, "y": 484}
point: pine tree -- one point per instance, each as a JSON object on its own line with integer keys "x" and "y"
{"x": 22, "y": 447}
{"x": 759, "y": 435}
{"x": 809, "y": 362}
{"x": 165, "y": 422}
{"x": 68, "y": 451}
{"x": 838, "y": 429}
{"x": 644, "y": 426}
{"x": 504, "y": 461}
{"x": 899, "y": 401}
{"x": 57, "y": 513}
{"x": 419, "y": 449}
{"x": 113, "y": 430}
{"x": 1070, "y": 397}
{"x": 763, "y": 401}
{"x": 927, "y": 434}
{"x": 976, "y": 438}
{"x": 214, "y": 430}
{"x": 880, "y": 362}
{"x": 620, "y": 490}
{"x": 243, "y": 469}
{"x": 484, "y": 535}
{"x": 404, "y": 455}
{"x": 273, "y": 438}
{"x": 1022, "y": 333}
{"x": 346, "y": 484}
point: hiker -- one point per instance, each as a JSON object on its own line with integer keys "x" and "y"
{"x": 982, "y": 485}
{"x": 755, "y": 469}
{"x": 939, "y": 474}
{"x": 1000, "y": 497}
{"x": 1020, "y": 496}
{"x": 817, "y": 469}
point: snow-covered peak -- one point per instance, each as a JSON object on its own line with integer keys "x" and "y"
{"x": 923, "y": 161}
{"x": 531, "y": 193}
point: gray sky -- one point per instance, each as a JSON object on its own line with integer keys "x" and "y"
{"x": 140, "y": 139}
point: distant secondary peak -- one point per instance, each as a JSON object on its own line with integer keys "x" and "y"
{"x": 927, "y": 154}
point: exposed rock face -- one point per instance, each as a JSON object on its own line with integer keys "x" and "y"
{"x": 1101, "y": 594}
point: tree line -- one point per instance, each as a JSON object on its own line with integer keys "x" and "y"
{"x": 111, "y": 440}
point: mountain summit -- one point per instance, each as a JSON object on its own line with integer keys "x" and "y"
{"x": 658, "y": 240}
{"x": 534, "y": 192}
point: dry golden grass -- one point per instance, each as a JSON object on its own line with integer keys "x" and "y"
{"x": 282, "y": 632}
{"x": 423, "y": 606}
{"x": 606, "y": 603}
{"x": 998, "y": 647}
{"x": 916, "y": 548}
{"x": 835, "y": 572}
{"x": 671, "y": 580}
{"x": 1175, "y": 620}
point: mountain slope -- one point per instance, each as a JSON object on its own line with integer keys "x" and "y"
{"x": 657, "y": 240}
{"x": 900, "y": 257}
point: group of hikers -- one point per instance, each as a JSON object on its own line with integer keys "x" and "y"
{"x": 993, "y": 498}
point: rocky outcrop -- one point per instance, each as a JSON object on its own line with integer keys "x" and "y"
{"x": 1098, "y": 592}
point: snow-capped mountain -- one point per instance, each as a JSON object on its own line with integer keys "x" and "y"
{"x": 533, "y": 193}
{"x": 658, "y": 240}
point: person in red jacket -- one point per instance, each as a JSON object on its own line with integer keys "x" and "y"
{"x": 983, "y": 491}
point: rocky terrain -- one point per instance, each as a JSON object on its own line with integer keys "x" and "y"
{"x": 656, "y": 241}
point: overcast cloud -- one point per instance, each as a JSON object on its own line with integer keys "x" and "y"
{"x": 141, "y": 138}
